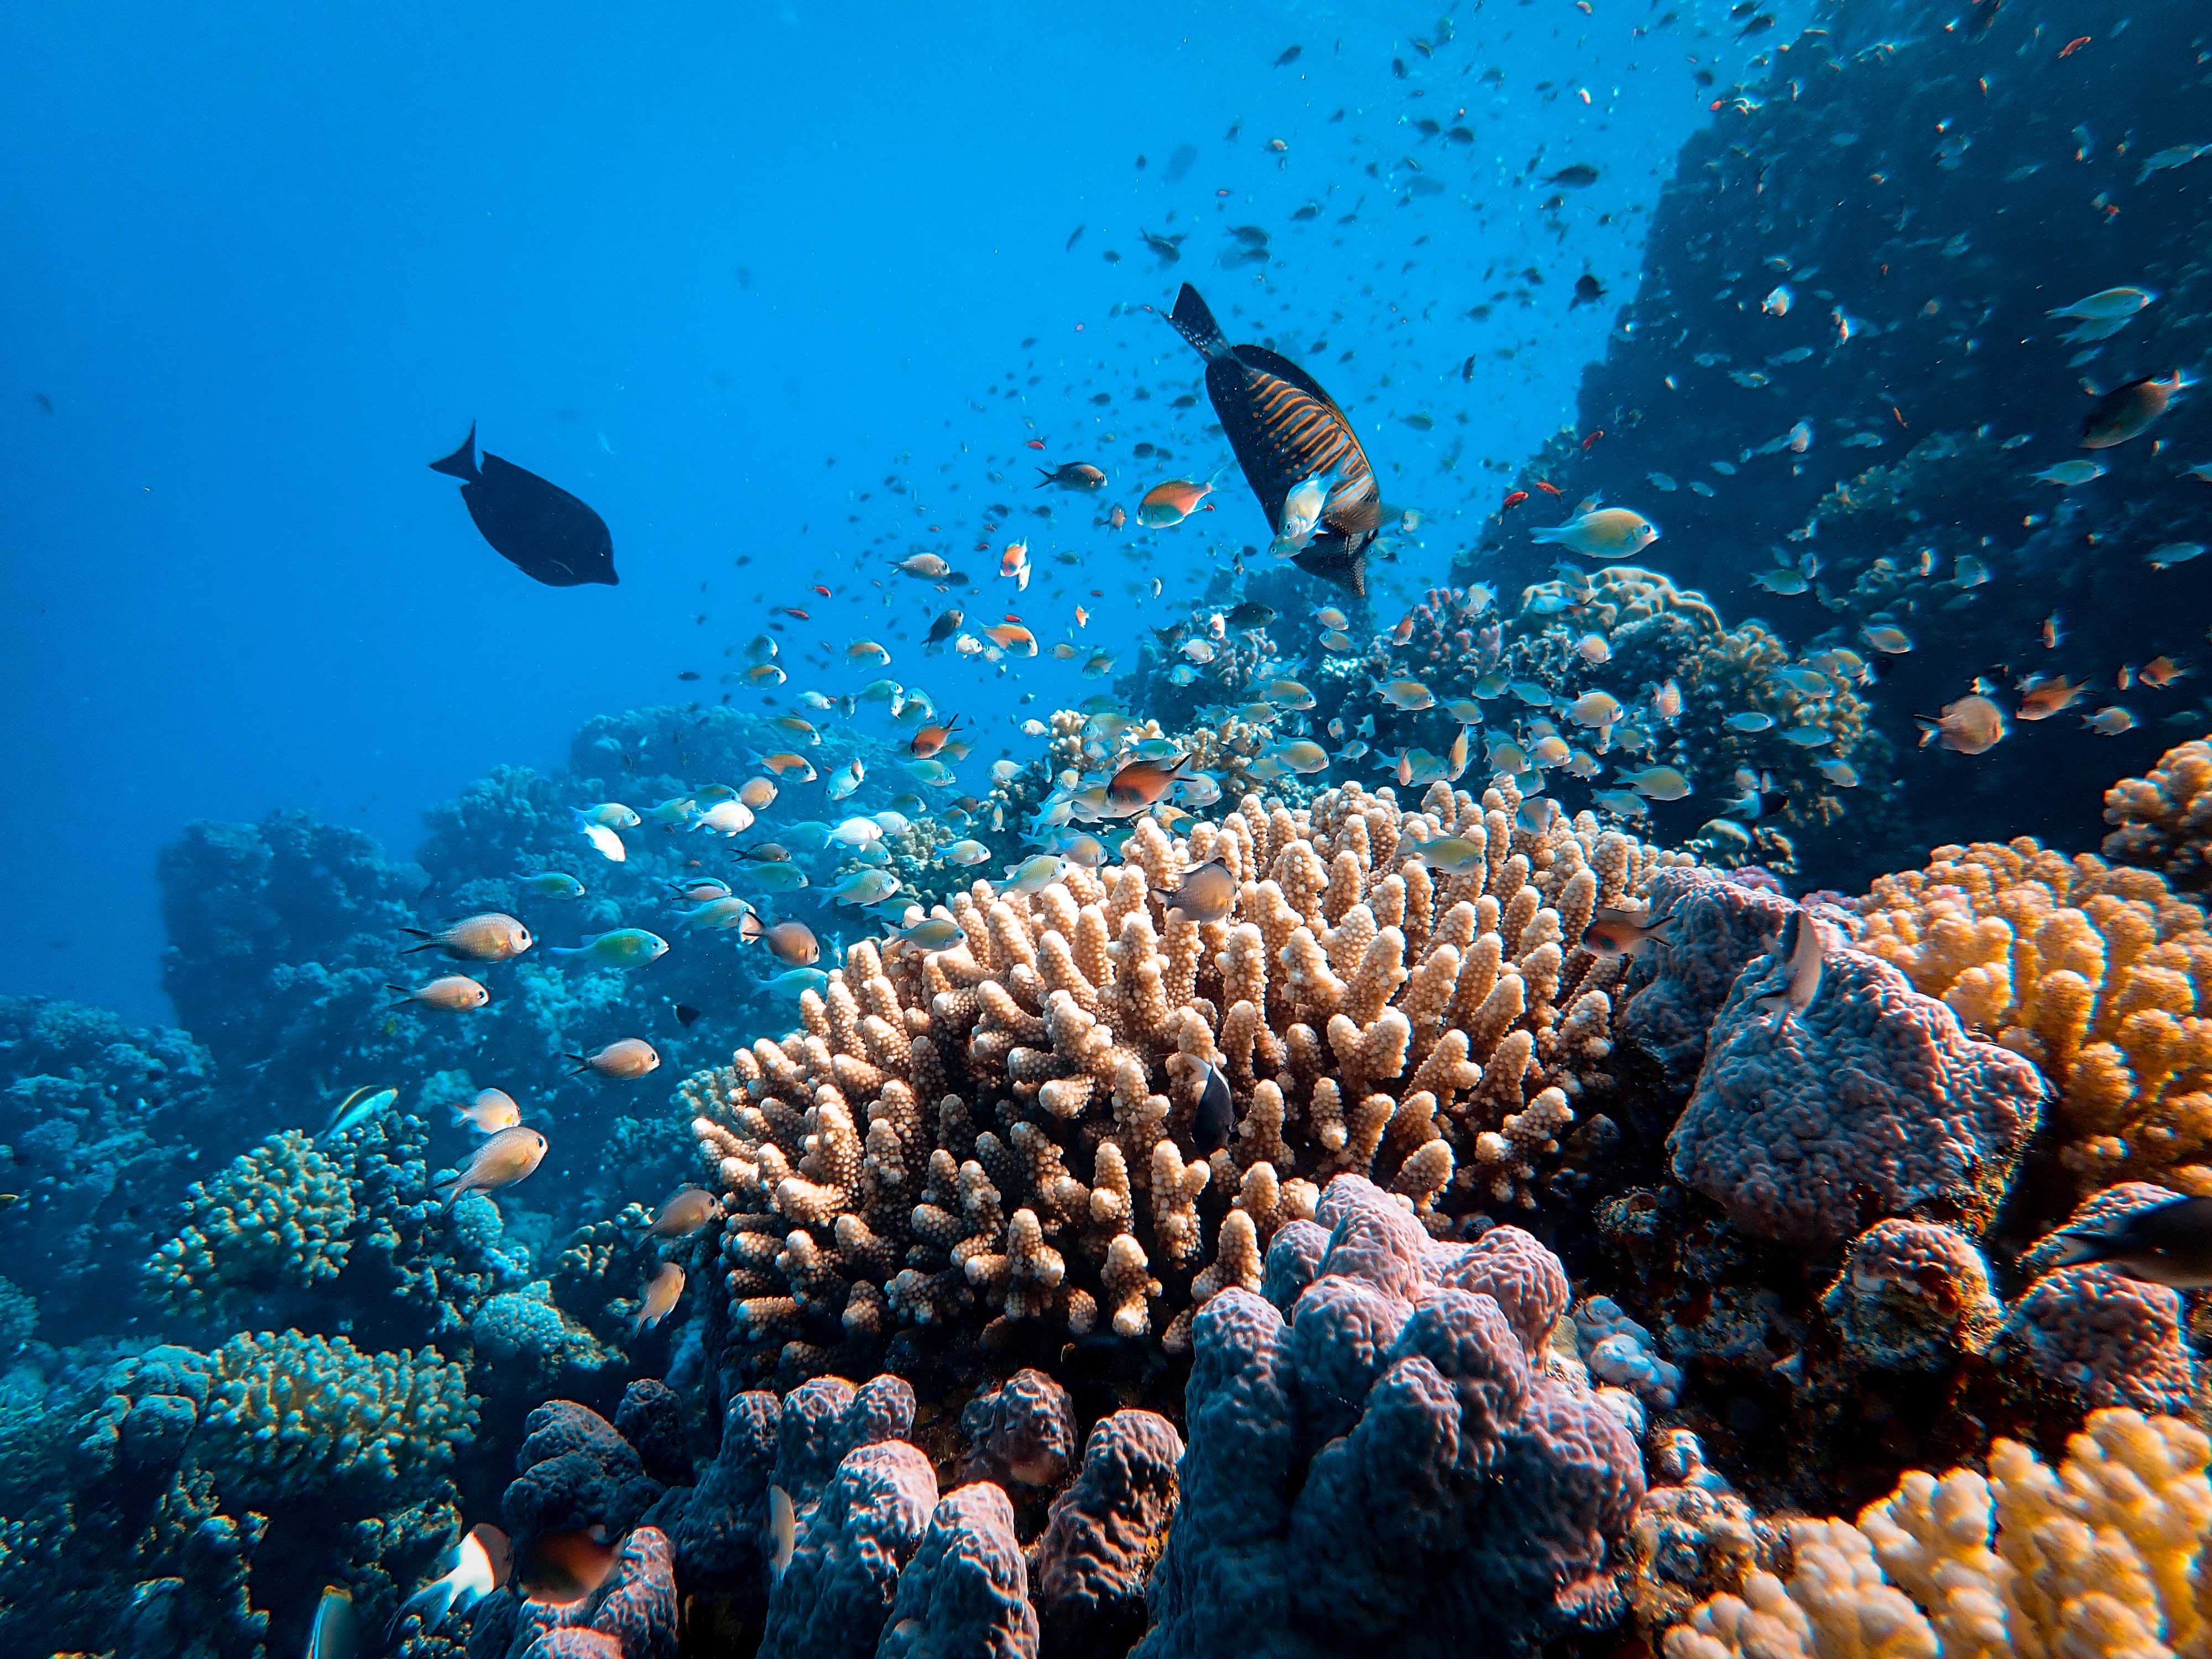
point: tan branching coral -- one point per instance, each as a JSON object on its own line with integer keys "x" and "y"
{"x": 2165, "y": 819}
{"x": 1006, "y": 1128}
{"x": 2098, "y": 975}
{"x": 2101, "y": 1556}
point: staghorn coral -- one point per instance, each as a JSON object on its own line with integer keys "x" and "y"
{"x": 2099, "y": 1556}
{"x": 2165, "y": 819}
{"x": 999, "y": 1134}
{"x": 2096, "y": 973}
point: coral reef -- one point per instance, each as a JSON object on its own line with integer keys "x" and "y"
{"x": 1385, "y": 1458}
{"x": 2099, "y": 1555}
{"x": 2091, "y": 972}
{"x": 906, "y": 1165}
{"x": 2164, "y": 818}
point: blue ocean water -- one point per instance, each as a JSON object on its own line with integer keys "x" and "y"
{"x": 676, "y": 263}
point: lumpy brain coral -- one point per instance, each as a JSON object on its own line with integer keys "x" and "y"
{"x": 2097, "y": 1557}
{"x": 2098, "y": 975}
{"x": 1005, "y": 1128}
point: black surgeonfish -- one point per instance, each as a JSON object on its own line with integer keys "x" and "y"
{"x": 537, "y": 526}
{"x": 1286, "y": 430}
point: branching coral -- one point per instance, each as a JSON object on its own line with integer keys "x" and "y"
{"x": 279, "y": 1216}
{"x": 2102, "y": 1555}
{"x": 289, "y": 1416}
{"x": 2165, "y": 819}
{"x": 1005, "y": 1129}
{"x": 2098, "y": 975}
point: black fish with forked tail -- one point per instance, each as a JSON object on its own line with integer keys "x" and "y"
{"x": 537, "y": 526}
{"x": 1287, "y": 431}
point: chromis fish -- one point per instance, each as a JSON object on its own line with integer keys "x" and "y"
{"x": 2067, "y": 474}
{"x": 492, "y": 1110}
{"x": 449, "y": 993}
{"x": 2168, "y": 555}
{"x": 611, "y": 813}
{"x": 662, "y": 1291}
{"x": 1784, "y": 580}
{"x": 1749, "y": 719}
{"x": 2040, "y": 698}
{"x": 2110, "y": 723}
{"x": 2128, "y": 412}
{"x": 491, "y": 936}
{"x": 1618, "y": 933}
{"x": 624, "y": 1060}
{"x": 930, "y": 933}
{"x": 793, "y": 941}
{"x": 607, "y": 844}
{"x": 622, "y": 947}
{"x": 1455, "y": 855}
{"x": 359, "y": 1107}
{"x": 777, "y": 876}
{"x": 1797, "y": 954}
{"x": 1033, "y": 875}
{"x": 1658, "y": 782}
{"x": 1970, "y": 726}
{"x": 966, "y": 852}
{"x": 725, "y": 817}
{"x": 1409, "y": 695}
{"x": 509, "y": 1156}
{"x": 865, "y": 887}
{"x": 1215, "y": 1115}
{"x": 1302, "y": 755}
{"x": 551, "y": 884}
{"x": 1605, "y": 532}
{"x": 1206, "y": 893}
{"x": 1887, "y": 638}
{"x": 793, "y": 981}
{"x": 728, "y": 911}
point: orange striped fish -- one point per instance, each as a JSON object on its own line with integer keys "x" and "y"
{"x": 1286, "y": 429}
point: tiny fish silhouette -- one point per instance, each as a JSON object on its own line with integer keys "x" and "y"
{"x": 537, "y": 526}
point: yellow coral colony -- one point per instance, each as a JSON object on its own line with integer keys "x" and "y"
{"x": 2096, "y": 973}
{"x": 2100, "y": 1557}
{"x": 1009, "y": 1120}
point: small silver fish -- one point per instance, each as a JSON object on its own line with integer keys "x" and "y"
{"x": 1799, "y": 951}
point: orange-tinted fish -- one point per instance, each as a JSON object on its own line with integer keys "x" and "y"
{"x": 822, "y": 590}
{"x": 1286, "y": 430}
{"x": 780, "y": 765}
{"x": 1142, "y": 783}
{"x": 661, "y": 1292}
{"x": 1972, "y": 725}
{"x": 492, "y": 1110}
{"x": 758, "y": 793}
{"x": 793, "y": 942}
{"x": 1513, "y": 501}
{"x": 1014, "y": 564}
{"x": 504, "y": 1159}
{"x": 1116, "y": 519}
{"x": 1615, "y": 932}
{"x": 622, "y": 1059}
{"x": 1012, "y": 637}
{"x": 449, "y": 993}
{"x": 1207, "y": 892}
{"x": 2075, "y": 44}
{"x": 491, "y": 936}
{"x": 2128, "y": 412}
{"x": 2051, "y": 632}
{"x": 2042, "y": 699}
{"x": 789, "y": 611}
{"x": 688, "y": 1210}
{"x": 930, "y": 738}
{"x": 562, "y": 1568}
{"x": 2161, "y": 672}
{"x": 1548, "y": 489}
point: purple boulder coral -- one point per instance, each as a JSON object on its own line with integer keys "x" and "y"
{"x": 1104, "y": 1531}
{"x": 836, "y": 1596}
{"x": 1807, "y": 1125}
{"x": 1472, "y": 1491}
{"x": 1020, "y": 1433}
{"x": 965, "y": 1594}
{"x": 576, "y": 1470}
{"x": 1720, "y": 928}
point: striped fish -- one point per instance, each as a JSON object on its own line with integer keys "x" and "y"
{"x": 1286, "y": 429}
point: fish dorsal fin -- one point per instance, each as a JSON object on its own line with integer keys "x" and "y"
{"x": 462, "y": 463}
{"x": 1269, "y": 362}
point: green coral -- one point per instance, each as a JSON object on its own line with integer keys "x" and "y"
{"x": 278, "y": 1216}
{"x": 531, "y": 1343}
{"x": 289, "y": 1415}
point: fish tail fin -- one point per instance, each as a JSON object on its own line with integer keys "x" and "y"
{"x": 1929, "y": 727}
{"x": 1046, "y": 476}
{"x": 1548, "y": 533}
{"x": 462, "y": 463}
{"x": 1195, "y": 322}
{"x": 407, "y": 996}
{"x": 1335, "y": 559}
{"x": 429, "y": 941}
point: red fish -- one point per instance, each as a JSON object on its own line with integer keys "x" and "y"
{"x": 1592, "y": 439}
{"x": 1036, "y": 443}
{"x": 1513, "y": 501}
{"x": 2074, "y": 44}
{"x": 790, "y": 610}
{"x": 1548, "y": 489}
{"x": 822, "y": 590}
